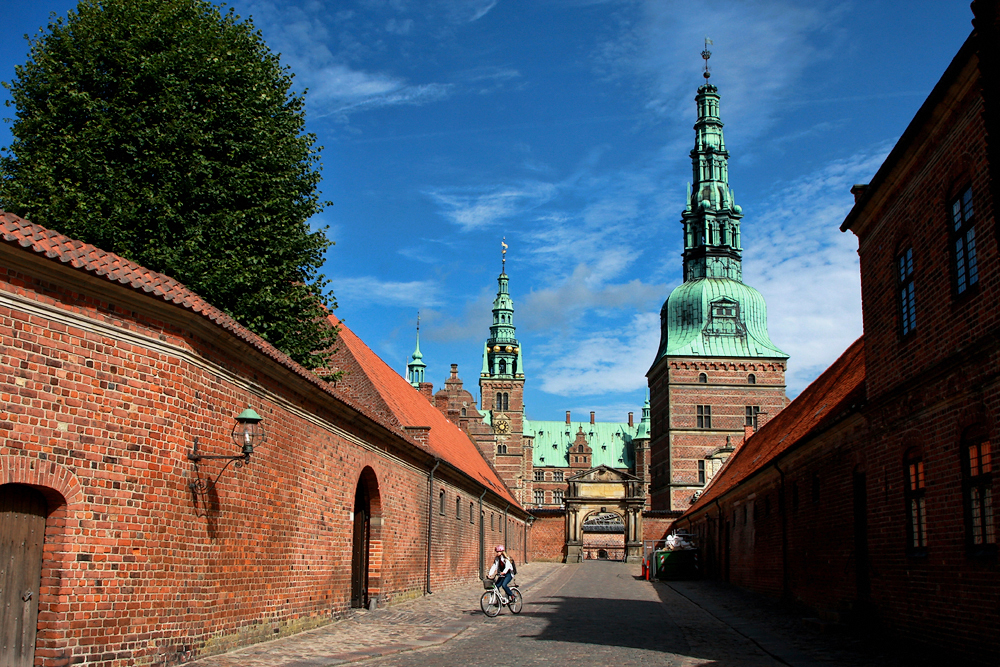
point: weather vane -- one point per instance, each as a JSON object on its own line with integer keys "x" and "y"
{"x": 503, "y": 255}
{"x": 418, "y": 322}
{"x": 706, "y": 54}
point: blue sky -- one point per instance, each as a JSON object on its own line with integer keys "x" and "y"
{"x": 565, "y": 125}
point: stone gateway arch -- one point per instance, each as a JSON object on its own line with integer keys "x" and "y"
{"x": 604, "y": 515}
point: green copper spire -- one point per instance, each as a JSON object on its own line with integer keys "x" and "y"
{"x": 711, "y": 218}
{"x": 713, "y": 313}
{"x": 415, "y": 369}
{"x": 502, "y": 354}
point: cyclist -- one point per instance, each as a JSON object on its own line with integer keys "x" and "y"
{"x": 502, "y": 568}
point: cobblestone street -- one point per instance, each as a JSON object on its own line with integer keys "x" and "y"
{"x": 598, "y": 612}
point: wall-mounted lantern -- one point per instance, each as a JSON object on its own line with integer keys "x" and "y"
{"x": 246, "y": 434}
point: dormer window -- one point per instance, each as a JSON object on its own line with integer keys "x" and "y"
{"x": 724, "y": 318}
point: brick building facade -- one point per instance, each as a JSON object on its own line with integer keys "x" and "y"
{"x": 111, "y": 376}
{"x": 871, "y": 496}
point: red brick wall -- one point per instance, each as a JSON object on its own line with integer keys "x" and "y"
{"x": 677, "y": 442}
{"x": 917, "y": 216}
{"x": 99, "y": 406}
{"x": 548, "y": 538}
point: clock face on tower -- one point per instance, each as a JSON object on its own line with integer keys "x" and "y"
{"x": 501, "y": 426}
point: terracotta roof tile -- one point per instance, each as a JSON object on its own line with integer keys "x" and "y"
{"x": 412, "y": 409}
{"x": 841, "y": 386}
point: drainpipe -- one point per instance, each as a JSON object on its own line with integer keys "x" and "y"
{"x": 430, "y": 520}
{"x": 482, "y": 534}
{"x": 505, "y": 525}
{"x": 718, "y": 538}
{"x": 786, "y": 583}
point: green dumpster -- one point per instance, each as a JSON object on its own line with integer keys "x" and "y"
{"x": 679, "y": 564}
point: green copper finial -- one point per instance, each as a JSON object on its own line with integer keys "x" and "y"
{"x": 415, "y": 369}
{"x": 706, "y": 54}
{"x": 503, "y": 255}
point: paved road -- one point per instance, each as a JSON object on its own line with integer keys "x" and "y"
{"x": 600, "y": 612}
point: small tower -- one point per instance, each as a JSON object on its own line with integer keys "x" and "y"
{"x": 640, "y": 443}
{"x": 415, "y": 369}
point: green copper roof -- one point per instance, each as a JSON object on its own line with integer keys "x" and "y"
{"x": 712, "y": 313}
{"x": 611, "y": 442}
{"x": 715, "y": 317}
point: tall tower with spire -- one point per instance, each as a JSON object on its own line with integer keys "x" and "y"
{"x": 716, "y": 372}
{"x": 501, "y": 385}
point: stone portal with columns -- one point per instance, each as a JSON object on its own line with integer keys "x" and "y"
{"x": 601, "y": 502}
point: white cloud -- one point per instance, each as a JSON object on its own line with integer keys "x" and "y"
{"x": 613, "y": 360}
{"x": 751, "y": 61}
{"x": 372, "y": 291}
{"x": 474, "y": 208}
{"x": 807, "y": 268}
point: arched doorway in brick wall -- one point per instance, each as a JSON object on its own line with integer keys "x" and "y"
{"x": 603, "y": 536}
{"x": 22, "y": 533}
{"x": 366, "y": 543}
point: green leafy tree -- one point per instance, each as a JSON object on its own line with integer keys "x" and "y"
{"x": 167, "y": 132}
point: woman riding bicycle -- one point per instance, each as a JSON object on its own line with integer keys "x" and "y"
{"x": 502, "y": 569}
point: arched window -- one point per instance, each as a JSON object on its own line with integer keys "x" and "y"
{"x": 472, "y": 513}
{"x": 458, "y": 508}
{"x": 441, "y": 502}
{"x": 506, "y": 401}
{"x": 463, "y": 412}
{"x": 501, "y": 448}
{"x": 702, "y": 378}
{"x": 916, "y": 512}
{"x": 751, "y": 379}
{"x": 503, "y": 367}
{"x": 492, "y": 519}
{"x": 499, "y": 404}
{"x": 978, "y": 468}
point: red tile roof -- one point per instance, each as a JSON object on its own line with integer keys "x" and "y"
{"x": 412, "y": 409}
{"x": 833, "y": 393}
{"x": 400, "y": 406}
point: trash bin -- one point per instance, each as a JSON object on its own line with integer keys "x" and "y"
{"x": 677, "y": 564}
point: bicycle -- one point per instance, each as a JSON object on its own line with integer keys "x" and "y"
{"x": 493, "y": 599}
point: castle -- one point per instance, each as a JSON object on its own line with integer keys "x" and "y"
{"x": 715, "y": 378}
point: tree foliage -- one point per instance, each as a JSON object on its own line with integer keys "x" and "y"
{"x": 167, "y": 132}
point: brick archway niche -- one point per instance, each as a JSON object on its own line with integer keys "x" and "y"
{"x": 366, "y": 547}
{"x": 603, "y": 492}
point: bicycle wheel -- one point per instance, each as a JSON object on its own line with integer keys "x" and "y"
{"x": 516, "y": 602}
{"x": 490, "y": 602}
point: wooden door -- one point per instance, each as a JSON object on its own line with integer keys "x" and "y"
{"x": 22, "y": 530}
{"x": 359, "y": 556}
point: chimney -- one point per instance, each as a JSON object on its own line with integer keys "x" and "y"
{"x": 567, "y": 416}
{"x": 859, "y": 190}
{"x": 630, "y": 420}
{"x": 747, "y": 432}
{"x": 427, "y": 389}
{"x": 591, "y": 416}
{"x": 454, "y": 371}
{"x": 761, "y": 420}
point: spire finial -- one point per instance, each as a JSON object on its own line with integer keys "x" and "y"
{"x": 503, "y": 255}
{"x": 706, "y": 54}
{"x": 418, "y": 324}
